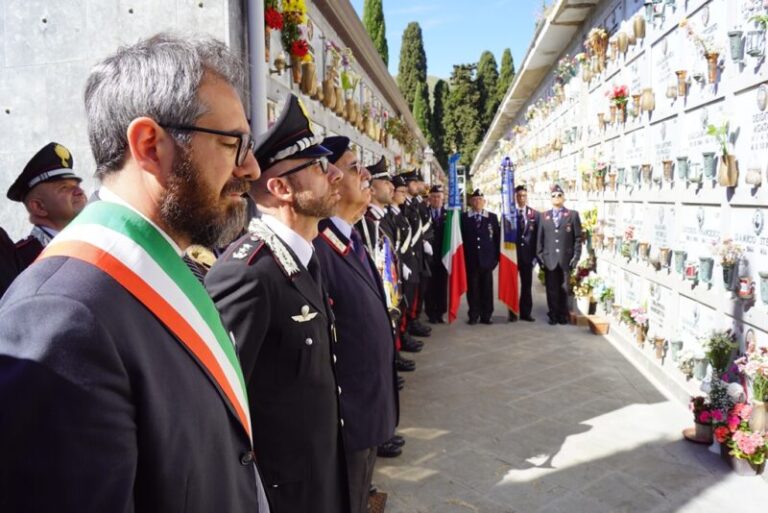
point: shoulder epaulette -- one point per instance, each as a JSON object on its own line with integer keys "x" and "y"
{"x": 333, "y": 240}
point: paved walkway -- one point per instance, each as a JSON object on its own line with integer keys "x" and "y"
{"x": 531, "y": 418}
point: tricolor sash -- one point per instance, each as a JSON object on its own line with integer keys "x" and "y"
{"x": 131, "y": 250}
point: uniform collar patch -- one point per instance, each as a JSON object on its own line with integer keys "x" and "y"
{"x": 260, "y": 231}
{"x": 335, "y": 242}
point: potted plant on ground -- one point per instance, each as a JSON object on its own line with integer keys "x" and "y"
{"x": 728, "y": 254}
{"x": 701, "y": 433}
{"x": 719, "y": 347}
{"x": 748, "y": 448}
{"x": 728, "y": 174}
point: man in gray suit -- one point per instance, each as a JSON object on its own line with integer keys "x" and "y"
{"x": 558, "y": 249}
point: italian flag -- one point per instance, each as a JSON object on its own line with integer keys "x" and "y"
{"x": 453, "y": 260}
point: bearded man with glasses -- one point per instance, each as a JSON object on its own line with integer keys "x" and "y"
{"x": 270, "y": 292}
{"x": 558, "y": 248}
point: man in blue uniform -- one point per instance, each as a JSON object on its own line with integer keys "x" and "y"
{"x": 269, "y": 289}
{"x": 366, "y": 351}
{"x": 50, "y": 191}
{"x": 558, "y": 249}
{"x": 436, "y": 300}
{"x": 121, "y": 389}
{"x": 481, "y": 234}
{"x": 527, "y": 233}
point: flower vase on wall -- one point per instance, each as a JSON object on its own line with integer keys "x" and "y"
{"x": 728, "y": 173}
{"x": 705, "y": 269}
{"x": 682, "y": 84}
{"x": 700, "y": 367}
{"x": 712, "y": 66}
{"x": 728, "y": 274}
{"x": 679, "y": 260}
{"x": 737, "y": 45}
{"x": 668, "y": 170}
{"x": 682, "y": 168}
{"x": 674, "y": 349}
{"x": 764, "y": 286}
{"x": 746, "y": 288}
{"x": 710, "y": 165}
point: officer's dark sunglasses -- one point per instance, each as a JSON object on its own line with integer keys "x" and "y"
{"x": 322, "y": 162}
{"x": 557, "y": 194}
{"x": 245, "y": 142}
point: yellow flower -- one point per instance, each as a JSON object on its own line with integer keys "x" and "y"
{"x": 683, "y": 23}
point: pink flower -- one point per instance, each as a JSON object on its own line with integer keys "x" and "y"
{"x": 748, "y": 443}
{"x": 717, "y": 415}
{"x": 721, "y": 434}
{"x": 733, "y": 423}
{"x": 705, "y": 417}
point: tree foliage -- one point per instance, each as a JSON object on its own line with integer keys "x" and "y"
{"x": 436, "y": 126}
{"x": 487, "y": 85}
{"x": 462, "y": 121}
{"x": 506, "y": 74}
{"x": 412, "y": 69}
{"x": 421, "y": 111}
{"x": 373, "y": 20}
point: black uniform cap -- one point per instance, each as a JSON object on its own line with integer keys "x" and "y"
{"x": 436, "y": 188}
{"x": 379, "y": 170}
{"x": 291, "y": 137}
{"x": 52, "y": 162}
{"x": 520, "y": 188}
{"x": 556, "y": 188}
{"x": 337, "y": 145}
{"x": 398, "y": 181}
{"x": 410, "y": 176}
{"x": 476, "y": 194}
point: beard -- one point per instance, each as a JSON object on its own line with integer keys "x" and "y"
{"x": 189, "y": 208}
{"x": 308, "y": 204}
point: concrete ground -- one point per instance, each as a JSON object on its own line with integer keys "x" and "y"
{"x": 530, "y": 418}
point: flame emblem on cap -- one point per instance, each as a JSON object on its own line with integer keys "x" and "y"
{"x": 63, "y": 154}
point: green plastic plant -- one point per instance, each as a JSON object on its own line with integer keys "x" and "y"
{"x": 721, "y": 134}
{"x": 760, "y": 19}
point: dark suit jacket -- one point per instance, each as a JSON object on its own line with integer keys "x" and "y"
{"x": 366, "y": 350}
{"x": 289, "y": 371}
{"x": 406, "y": 249}
{"x": 9, "y": 265}
{"x": 481, "y": 247}
{"x": 559, "y": 245}
{"x": 102, "y": 409}
{"x": 527, "y": 236}
{"x": 438, "y": 226}
{"x": 412, "y": 212}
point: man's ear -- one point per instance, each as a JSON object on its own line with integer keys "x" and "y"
{"x": 280, "y": 189}
{"x": 151, "y": 147}
{"x": 36, "y": 207}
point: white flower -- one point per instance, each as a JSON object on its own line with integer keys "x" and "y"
{"x": 736, "y": 393}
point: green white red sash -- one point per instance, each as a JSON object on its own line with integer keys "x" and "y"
{"x": 131, "y": 250}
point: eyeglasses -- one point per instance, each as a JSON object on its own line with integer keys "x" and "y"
{"x": 322, "y": 162}
{"x": 557, "y": 194}
{"x": 357, "y": 167}
{"x": 245, "y": 142}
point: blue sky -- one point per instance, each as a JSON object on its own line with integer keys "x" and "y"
{"x": 458, "y": 31}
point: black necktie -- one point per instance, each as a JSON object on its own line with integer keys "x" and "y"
{"x": 314, "y": 270}
{"x": 359, "y": 249}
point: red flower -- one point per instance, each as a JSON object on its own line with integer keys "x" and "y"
{"x": 273, "y": 18}
{"x": 722, "y": 434}
{"x": 299, "y": 48}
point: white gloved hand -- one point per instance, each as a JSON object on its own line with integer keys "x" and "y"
{"x": 406, "y": 272}
{"x": 427, "y": 248}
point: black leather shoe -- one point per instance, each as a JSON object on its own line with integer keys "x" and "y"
{"x": 551, "y": 321}
{"x": 410, "y": 344}
{"x": 419, "y": 330}
{"x": 400, "y": 382}
{"x": 398, "y": 440}
{"x": 372, "y": 490}
{"x": 472, "y": 321}
{"x": 511, "y": 317}
{"x": 404, "y": 364}
{"x": 436, "y": 320}
{"x": 487, "y": 321}
{"x": 388, "y": 450}
{"x": 528, "y": 318}
{"x": 563, "y": 321}
{"x": 421, "y": 326}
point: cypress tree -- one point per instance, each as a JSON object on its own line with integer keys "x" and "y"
{"x": 412, "y": 69}
{"x": 436, "y": 126}
{"x": 487, "y": 84}
{"x": 373, "y": 20}
{"x": 506, "y": 74}
{"x": 421, "y": 111}
{"x": 462, "y": 116}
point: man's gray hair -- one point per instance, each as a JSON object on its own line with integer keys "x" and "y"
{"x": 158, "y": 78}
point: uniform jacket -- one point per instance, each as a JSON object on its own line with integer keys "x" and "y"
{"x": 366, "y": 350}
{"x": 527, "y": 236}
{"x": 438, "y": 225}
{"x": 103, "y": 409}
{"x": 282, "y": 324}
{"x": 481, "y": 247}
{"x": 412, "y": 212}
{"x": 27, "y": 250}
{"x": 405, "y": 248}
{"x": 559, "y": 245}
{"x": 9, "y": 265}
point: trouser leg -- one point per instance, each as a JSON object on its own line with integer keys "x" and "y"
{"x": 486, "y": 294}
{"x": 526, "y": 282}
{"x": 360, "y": 474}
{"x": 473, "y": 285}
{"x": 562, "y": 305}
{"x": 552, "y": 280}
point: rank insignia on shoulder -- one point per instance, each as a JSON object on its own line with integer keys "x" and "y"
{"x": 305, "y": 315}
{"x": 242, "y": 251}
{"x": 260, "y": 233}
{"x": 334, "y": 241}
